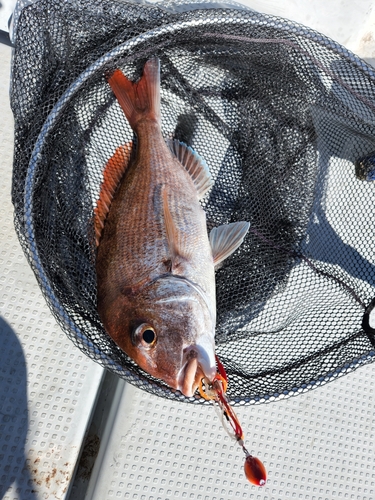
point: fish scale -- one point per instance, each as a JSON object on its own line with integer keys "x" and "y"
{"x": 140, "y": 237}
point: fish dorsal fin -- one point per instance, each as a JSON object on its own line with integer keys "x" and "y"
{"x": 112, "y": 175}
{"x": 226, "y": 239}
{"x": 176, "y": 243}
{"x": 194, "y": 165}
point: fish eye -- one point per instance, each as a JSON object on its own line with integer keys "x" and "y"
{"x": 149, "y": 336}
{"x": 146, "y": 334}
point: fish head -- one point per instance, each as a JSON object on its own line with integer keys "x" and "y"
{"x": 168, "y": 330}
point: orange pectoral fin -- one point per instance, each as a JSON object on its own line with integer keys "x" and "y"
{"x": 112, "y": 175}
{"x": 177, "y": 243}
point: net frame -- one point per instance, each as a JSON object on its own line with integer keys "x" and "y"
{"x": 127, "y": 52}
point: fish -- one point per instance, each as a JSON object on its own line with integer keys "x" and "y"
{"x": 155, "y": 262}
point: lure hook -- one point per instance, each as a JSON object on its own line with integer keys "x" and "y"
{"x": 216, "y": 391}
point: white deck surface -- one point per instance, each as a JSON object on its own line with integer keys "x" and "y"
{"x": 47, "y": 386}
{"x": 316, "y": 446}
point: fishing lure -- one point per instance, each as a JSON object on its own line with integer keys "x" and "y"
{"x": 216, "y": 391}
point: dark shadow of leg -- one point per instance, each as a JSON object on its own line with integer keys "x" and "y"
{"x": 13, "y": 416}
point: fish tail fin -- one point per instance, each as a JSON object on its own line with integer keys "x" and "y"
{"x": 139, "y": 100}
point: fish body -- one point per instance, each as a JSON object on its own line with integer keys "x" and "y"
{"x": 155, "y": 261}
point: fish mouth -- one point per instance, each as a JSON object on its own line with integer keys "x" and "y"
{"x": 190, "y": 373}
{"x": 200, "y": 364}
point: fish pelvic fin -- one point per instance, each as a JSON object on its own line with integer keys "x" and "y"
{"x": 139, "y": 100}
{"x": 176, "y": 244}
{"x": 194, "y": 165}
{"x": 226, "y": 239}
{"x": 112, "y": 175}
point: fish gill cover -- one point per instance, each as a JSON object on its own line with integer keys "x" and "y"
{"x": 279, "y": 113}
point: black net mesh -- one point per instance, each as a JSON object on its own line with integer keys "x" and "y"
{"x": 279, "y": 113}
